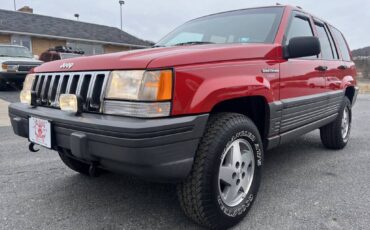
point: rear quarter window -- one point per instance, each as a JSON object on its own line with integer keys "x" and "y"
{"x": 342, "y": 44}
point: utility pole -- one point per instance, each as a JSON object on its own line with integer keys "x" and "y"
{"x": 121, "y": 3}
{"x": 15, "y": 6}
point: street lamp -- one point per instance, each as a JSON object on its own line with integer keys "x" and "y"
{"x": 121, "y": 3}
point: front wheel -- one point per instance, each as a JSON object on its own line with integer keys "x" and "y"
{"x": 226, "y": 173}
{"x": 336, "y": 134}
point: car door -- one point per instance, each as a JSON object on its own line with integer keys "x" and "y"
{"x": 302, "y": 82}
{"x": 346, "y": 67}
{"x": 330, "y": 56}
{"x": 301, "y": 77}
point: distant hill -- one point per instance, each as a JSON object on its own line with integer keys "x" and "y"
{"x": 361, "y": 52}
{"x": 362, "y": 64}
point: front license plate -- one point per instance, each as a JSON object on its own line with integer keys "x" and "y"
{"x": 40, "y": 131}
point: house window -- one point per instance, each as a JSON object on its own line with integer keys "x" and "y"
{"x": 88, "y": 48}
{"x": 22, "y": 41}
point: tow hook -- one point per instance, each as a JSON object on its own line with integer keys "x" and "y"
{"x": 31, "y": 147}
{"x": 93, "y": 169}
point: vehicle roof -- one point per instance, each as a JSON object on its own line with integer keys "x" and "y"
{"x": 301, "y": 10}
{"x": 231, "y": 11}
{"x": 289, "y": 7}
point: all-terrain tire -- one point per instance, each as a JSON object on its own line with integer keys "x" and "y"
{"x": 332, "y": 135}
{"x": 199, "y": 194}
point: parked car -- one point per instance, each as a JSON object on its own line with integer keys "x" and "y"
{"x": 320, "y": 82}
{"x": 199, "y": 109}
{"x": 15, "y": 63}
{"x": 60, "y": 53}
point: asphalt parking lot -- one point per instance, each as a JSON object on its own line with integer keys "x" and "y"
{"x": 304, "y": 187}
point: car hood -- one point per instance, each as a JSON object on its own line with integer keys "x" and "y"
{"x": 163, "y": 57}
{"x": 19, "y": 59}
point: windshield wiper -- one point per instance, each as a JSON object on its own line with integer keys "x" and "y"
{"x": 193, "y": 43}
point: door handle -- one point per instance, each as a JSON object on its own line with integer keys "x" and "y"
{"x": 342, "y": 67}
{"x": 321, "y": 68}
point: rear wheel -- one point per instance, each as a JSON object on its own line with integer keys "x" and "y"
{"x": 226, "y": 173}
{"x": 73, "y": 164}
{"x": 336, "y": 134}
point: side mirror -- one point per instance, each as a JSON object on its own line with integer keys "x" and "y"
{"x": 302, "y": 47}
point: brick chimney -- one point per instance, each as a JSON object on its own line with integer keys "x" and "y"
{"x": 26, "y": 9}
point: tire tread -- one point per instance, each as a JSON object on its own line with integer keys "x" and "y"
{"x": 194, "y": 198}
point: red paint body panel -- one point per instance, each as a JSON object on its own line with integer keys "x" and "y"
{"x": 299, "y": 78}
{"x": 198, "y": 89}
{"x": 206, "y": 75}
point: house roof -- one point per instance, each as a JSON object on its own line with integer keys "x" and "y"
{"x": 46, "y": 26}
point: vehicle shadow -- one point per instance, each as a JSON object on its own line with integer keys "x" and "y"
{"x": 11, "y": 94}
{"x": 116, "y": 201}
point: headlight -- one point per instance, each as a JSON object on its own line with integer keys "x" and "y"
{"x": 9, "y": 68}
{"x": 12, "y": 68}
{"x": 25, "y": 96}
{"x": 4, "y": 67}
{"x": 140, "y": 85}
{"x": 142, "y": 93}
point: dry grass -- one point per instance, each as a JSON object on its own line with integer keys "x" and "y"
{"x": 364, "y": 87}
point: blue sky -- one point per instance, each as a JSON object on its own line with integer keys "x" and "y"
{"x": 152, "y": 20}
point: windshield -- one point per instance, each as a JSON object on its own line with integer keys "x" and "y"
{"x": 14, "y": 51}
{"x": 243, "y": 26}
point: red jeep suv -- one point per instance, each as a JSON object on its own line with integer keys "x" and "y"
{"x": 200, "y": 108}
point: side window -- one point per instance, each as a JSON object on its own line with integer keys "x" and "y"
{"x": 326, "y": 46}
{"x": 341, "y": 44}
{"x": 333, "y": 45}
{"x": 299, "y": 27}
{"x": 22, "y": 41}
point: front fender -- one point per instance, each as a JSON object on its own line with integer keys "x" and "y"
{"x": 199, "y": 90}
{"x": 348, "y": 81}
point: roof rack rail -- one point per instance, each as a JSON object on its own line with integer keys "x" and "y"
{"x": 66, "y": 49}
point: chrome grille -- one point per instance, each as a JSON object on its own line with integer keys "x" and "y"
{"x": 88, "y": 86}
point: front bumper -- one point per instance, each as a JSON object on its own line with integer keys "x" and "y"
{"x": 155, "y": 149}
{"x": 13, "y": 76}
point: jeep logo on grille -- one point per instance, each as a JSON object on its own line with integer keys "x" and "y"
{"x": 66, "y": 66}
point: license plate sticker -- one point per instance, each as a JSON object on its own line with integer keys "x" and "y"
{"x": 40, "y": 131}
